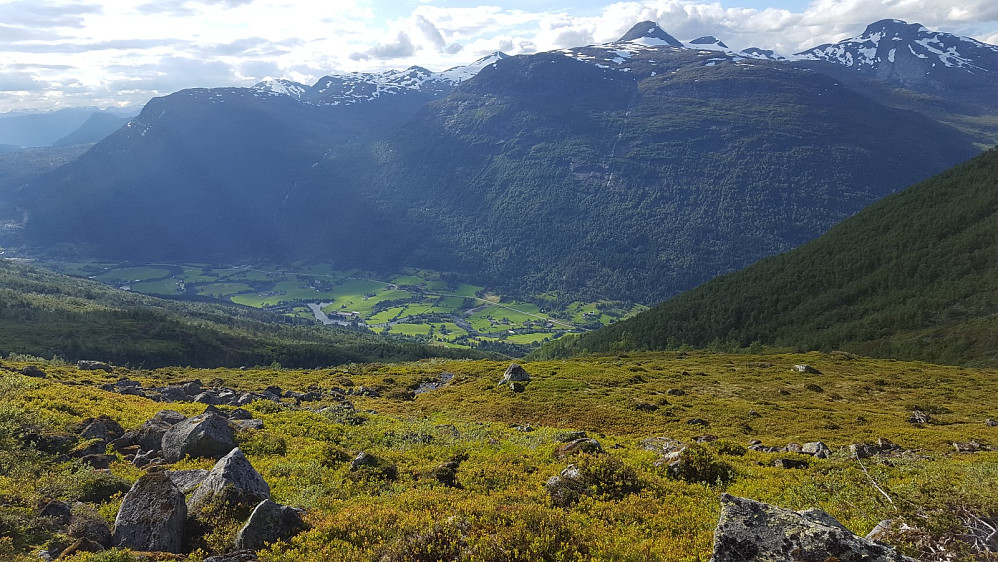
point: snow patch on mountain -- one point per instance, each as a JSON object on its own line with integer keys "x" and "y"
{"x": 880, "y": 44}
{"x": 281, "y": 87}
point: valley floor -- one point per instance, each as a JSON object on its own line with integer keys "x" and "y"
{"x": 740, "y": 414}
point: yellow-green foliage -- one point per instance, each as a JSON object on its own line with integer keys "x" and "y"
{"x": 499, "y": 508}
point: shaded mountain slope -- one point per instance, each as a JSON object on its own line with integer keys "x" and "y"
{"x": 45, "y": 314}
{"x": 914, "y": 276}
{"x": 558, "y": 172}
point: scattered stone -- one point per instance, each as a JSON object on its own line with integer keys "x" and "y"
{"x": 87, "y": 523}
{"x": 93, "y": 366}
{"x": 172, "y": 394}
{"x": 525, "y": 428}
{"x": 751, "y": 531}
{"x": 645, "y": 407}
{"x": 794, "y": 448}
{"x": 567, "y": 488}
{"x": 33, "y": 371}
{"x": 583, "y": 445}
{"x": 863, "y": 450}
{"x": 514, "y": 373}
{"x": 274, "y": 389}
{"x": 232, "y": 484}
{"x": 881, "y": 530}
{"x": 208, "y": 398}
{"x": 790, "y": 463}
{"x": 152, "y": 516}
{"x": 816, "y": 449}
{"x": 150, "y": 436}
{"x": 144, "y": 458}
{"x": 698, "y": 421}
{"x": 366, "y": 464}
{"x": 58, "y": 510}
{"x": 991, "y": 423}
{"x": 98, "y": 461}
{"x": 968, "y": 447}
{"x": 237, "y": 556}
{"x": 80, "y": 545}
{"x": 806, "y": 369}
{"x": 517, "y": 387}
{"x": 207, "y": 435}
{"x": 661, "y": 445}
{"x": 571, "y": 436}
{"x": 240, "y": 414}
{"x": 243, "y": 425}
{"x": 269, "y": 522}
{"x": 676, "y": 392}
{"x": 192, "y": 388}
{"x": 102, "y": 427}
{"x": 886, "y": 446}
{"x": 706, "y": 438}
{"x": 188, "y": 480}
{"x": 446, "y": 474}
{"x": 754, "y": 414}
{"x": 918, "y": 417}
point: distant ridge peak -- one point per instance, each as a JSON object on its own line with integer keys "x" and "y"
{"x": 649, "y": 33}
{"x": 708, "y": 40}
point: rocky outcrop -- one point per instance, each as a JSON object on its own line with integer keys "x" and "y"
{"x": 207, "y": 435}
{"x": 582, "y": 445}
{"x": 232, "y": 486}
{"x": 33, "y": 371}
{"x": 85, "y": 365}
{"x": 749, "y": 531}
{"x": 269, "y": 522}
{"x": 514, "y": 374}
{"x": 152, "y": 516}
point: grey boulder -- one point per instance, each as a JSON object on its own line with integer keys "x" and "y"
{"x": 269, "y": 522}
{"x": 207, "y": 435}
{"x": 232, "y": 485}
{"x": 151, "y": 516}
{"x": 752, "y": 531}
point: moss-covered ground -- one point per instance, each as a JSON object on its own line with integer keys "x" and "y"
{"x": 501, "y": 510}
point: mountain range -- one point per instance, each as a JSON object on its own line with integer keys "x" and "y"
{"x": 636, "y": 169}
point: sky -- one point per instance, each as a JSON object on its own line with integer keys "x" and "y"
{"x": 116, "y": 53}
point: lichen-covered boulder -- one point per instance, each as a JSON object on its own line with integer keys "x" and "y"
{"x": 752, "y": 531}
{"x": 150, "y": 436}
{"x": 102, "y": 427}
{"x": 151, "y": 516}
{"x": 514, "y": 373}
{"x": 269, "y": 522}
{"x": 231, "y": 487}
{"x": 207, "y": 435}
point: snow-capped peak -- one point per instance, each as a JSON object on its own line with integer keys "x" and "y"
{"x": 281, "y": 87}
{"x": 649, "y": 34}
{"x": 461, "y": 73}
{"x": 707, "y": 42}
{"x": 886, "y": 41}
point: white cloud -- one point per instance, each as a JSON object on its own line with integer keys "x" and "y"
{"x": 103, "y": 52}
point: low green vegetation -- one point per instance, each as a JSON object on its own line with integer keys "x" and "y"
{"x": 495, "y": 506}
{"x": 420, "y": 305}
{"x": 45, "y": 314}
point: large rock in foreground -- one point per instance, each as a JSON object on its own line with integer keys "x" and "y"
{"x": 754, "y": 531}
{"x": 207, "y": 435}
{"x": 152, "y": 516}
{"x": 269, "y": 522}
{"x": 232, "y": 487}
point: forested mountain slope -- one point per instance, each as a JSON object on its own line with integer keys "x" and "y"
{"x": 914, "y": 276}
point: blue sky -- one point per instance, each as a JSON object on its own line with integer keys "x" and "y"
{"x": 64, "y": 53}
